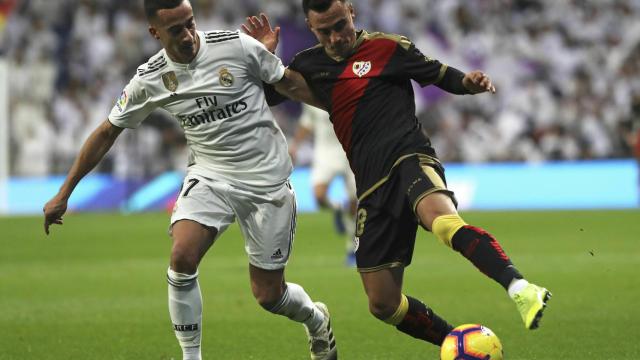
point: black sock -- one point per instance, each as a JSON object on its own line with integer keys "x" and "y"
{"x": 482, "y": 249}
{"x": 422, "y": 323}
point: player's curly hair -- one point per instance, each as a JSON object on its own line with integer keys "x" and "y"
{"x": 151, "y": 7}
{"x": 317, "y": 5}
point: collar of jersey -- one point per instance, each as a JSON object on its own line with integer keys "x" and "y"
{"x": 195, "y": 60}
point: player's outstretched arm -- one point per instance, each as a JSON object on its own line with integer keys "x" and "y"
{"x": 92, "y": 151}
{"x": 456, "y": 82}
{"x": 295, "y": 87}
{"x": 260, "y": 29}
{"x": 292, "y": 84}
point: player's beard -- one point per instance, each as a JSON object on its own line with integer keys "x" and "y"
{"x": 189, "y": 50}
{"x": 342, "y": 50}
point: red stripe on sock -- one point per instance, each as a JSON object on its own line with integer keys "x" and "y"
{"x": 472, "y": 248}
{"x": 492, "y": 241}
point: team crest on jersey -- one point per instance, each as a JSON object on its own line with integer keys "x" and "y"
{"x": 226, "y": 79}
{"x": 361, "y": 68}
{"x": 170, "y": 81}
{"x": 122, "y": 101}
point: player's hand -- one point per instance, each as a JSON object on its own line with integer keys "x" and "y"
{"x": 478, "y": 82}
{"x": 53, "y": 211}
{"x": 260, "y": 29}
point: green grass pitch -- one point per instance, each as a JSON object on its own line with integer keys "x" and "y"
{"x": 96, "y": 289}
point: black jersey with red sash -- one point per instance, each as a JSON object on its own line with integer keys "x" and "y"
{"x": 371, "y": 102}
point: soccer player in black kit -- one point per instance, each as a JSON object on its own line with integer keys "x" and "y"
{"x": 364, "y": 79}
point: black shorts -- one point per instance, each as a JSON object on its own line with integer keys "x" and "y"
{"x": 386, "y": 220}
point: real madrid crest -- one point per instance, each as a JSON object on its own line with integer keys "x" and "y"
{"x": 226, "y": 79}
{"x": 170, "y": 81}
{"x": 361, "y": 68}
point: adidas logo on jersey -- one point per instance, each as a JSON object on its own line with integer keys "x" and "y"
{"x": 277, "y": 254}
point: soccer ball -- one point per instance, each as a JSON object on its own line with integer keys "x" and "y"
{"x": 471, "y": 342}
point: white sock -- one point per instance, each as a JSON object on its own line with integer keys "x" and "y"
{"x": 185, "y": 309}
{"x": 516, "y": 286}
{"x": 297, "y": 306}
{"x": 191, "y": 353}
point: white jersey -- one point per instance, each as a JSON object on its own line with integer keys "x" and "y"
{"x": 329, "y": 160}
{"x": 218, "y": 100}
{"x": 325, "y": 142}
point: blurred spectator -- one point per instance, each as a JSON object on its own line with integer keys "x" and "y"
{"x": 567, "y": 73}
{"x": 33, "y": 155}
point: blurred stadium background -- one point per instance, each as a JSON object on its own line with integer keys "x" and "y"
{"x": 560, "y": 134}
{"x": 568, "y": 74}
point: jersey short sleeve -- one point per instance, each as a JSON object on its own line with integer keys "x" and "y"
{"x": 294, "y": 65}
{"x": 421, "y": 68}
{"x": 263, "y": 63}
{"x": 132, "y": 107}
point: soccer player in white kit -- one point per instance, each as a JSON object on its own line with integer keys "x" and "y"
{"x": 239, "y": 165}
{"x": 329, "y": 162}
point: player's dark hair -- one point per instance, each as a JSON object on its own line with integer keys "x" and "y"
{"x": 151, "y": 7}
{"x": 317, "y": 5}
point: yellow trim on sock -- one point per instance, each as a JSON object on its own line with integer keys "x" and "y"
{"x": 400, "y": 313}
{"x": 445, "y": 226}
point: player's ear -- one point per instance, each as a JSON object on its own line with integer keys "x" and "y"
{"x": 154, "y": 33}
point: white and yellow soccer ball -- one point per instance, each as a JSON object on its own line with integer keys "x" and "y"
{"x": 471, "y": 342}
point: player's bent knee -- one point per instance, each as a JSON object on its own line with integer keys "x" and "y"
{"x": 445, "y": 226}
{"x": 267, "y": 293}
{"x": 267, "y": 286}
{"x": 381, "y": 310}
{"x": 400, "y": 312}
{"x": 268, "y": 297}
{"x": 295, "y": 304}
{"x": 184, "y": 261}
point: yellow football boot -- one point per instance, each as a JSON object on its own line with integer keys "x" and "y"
{"x": 531, "y": 302}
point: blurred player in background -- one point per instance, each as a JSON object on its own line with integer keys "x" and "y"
{"x": 635, "y": 142}
{"x": 364, "y": 80}
{"x": 211, "y": 82}
{"x": 328, "y": 163}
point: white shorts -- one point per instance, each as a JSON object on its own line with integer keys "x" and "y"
{"x": 325, "y": 168}
{"x": 267, "y": 220}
